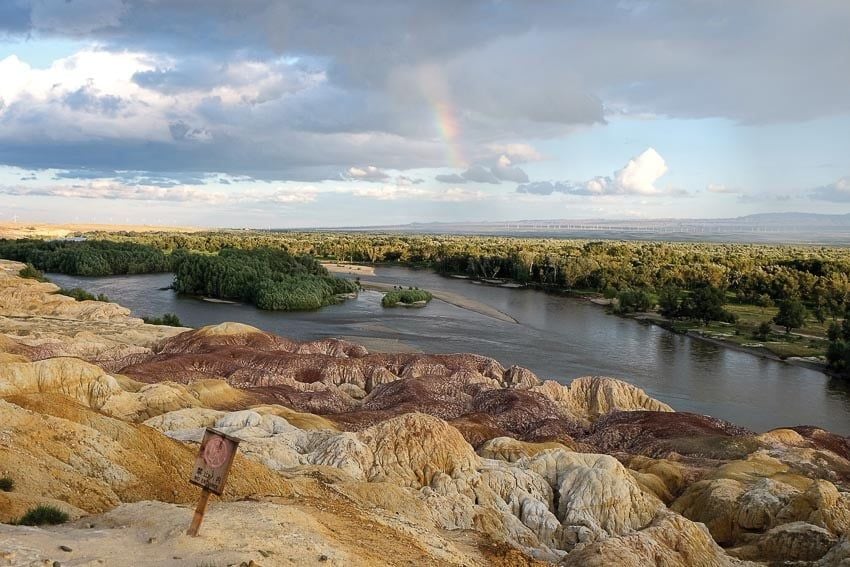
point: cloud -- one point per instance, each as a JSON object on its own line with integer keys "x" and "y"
{"x": 396, "y": 192}
{"x": 505, "y": 171}
{"x": 479, "y": 174}
{"x": 637, "y": 177}
{"x": 723, "y": 189}
{"x": 450, "y": 178}
{"x": 640, "y": 174}
{"x": 368, "y": 173}
{"x": 296, "y": 90}
{"x": 516, "y": 152}
{"x": 180, "y": 130}
{"x": 838, "y": 192}
{"x": 76, "y": 17}
{"x": 115, "y": 190}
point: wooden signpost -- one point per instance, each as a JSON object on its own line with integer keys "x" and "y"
{"x": 210, "y": 471}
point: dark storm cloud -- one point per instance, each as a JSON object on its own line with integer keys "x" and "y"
{"x": 14, "y": 16}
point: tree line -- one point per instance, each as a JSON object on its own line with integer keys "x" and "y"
{"x": 752, "y": 273}
{"x": 269, "y": 278}
{"x": 88, "y": 258}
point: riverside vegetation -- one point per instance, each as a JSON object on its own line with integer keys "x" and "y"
{"x": 728, "y": 292}
{"x": 271, "y": 279}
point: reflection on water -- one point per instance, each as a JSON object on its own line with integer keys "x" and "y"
{"x": 558, "y": 338}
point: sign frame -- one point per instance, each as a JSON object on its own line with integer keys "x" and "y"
{"x": 211, "y": 469}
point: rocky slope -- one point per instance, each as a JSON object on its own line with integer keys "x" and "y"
{"x": 353, "y": 458}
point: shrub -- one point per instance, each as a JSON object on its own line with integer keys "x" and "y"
{"x": 169, "y": 320}
{"x": 406, "y": 297}
{"x": 630, "y": 301}
{"x": 762, "y": 332}
{"x": 77, "y": 293}
{"x": 31, "y": 272}
{"x": 838, "y": 351}
{"x": 80, "y": 294}
{"x": 43, "y": 514}
{"x": 7, "y": 484}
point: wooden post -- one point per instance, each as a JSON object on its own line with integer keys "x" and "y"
{"x": 200, "y": 510}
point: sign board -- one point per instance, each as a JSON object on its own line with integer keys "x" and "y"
{"x": 214, "y": 459}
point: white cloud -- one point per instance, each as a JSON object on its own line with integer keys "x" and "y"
{"x": 368, "y": 173}
{"x": 637, "y": 177}
{"x": 516, "y": 152}
{"x": 114, "y": 190}
{"x": 396, "y": 193}
{"x": 97, "y": 94}
{"x": 640, "y": 174}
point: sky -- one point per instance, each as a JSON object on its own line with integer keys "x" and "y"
{"x": 320, "y": 113}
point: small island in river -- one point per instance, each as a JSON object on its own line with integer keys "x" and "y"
{"x": 407, "y": 298}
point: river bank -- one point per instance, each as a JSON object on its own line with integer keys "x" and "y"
{"x": 556, "y": 336}
{"x": 594, "y": 298}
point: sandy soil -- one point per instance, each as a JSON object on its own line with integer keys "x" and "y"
{"x": 302, "y": 531}
{"x": 23, "y": 229}
{"x": 351, "y": 269}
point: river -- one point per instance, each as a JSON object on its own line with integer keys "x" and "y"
{"x": 558, "y": 338}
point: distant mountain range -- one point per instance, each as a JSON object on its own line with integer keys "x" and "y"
{"x": 763, "y": 227}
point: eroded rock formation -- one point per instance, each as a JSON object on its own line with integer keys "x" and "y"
{"x": 381, "y": 458}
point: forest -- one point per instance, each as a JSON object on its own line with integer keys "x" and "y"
{"x": 88, "y": 258}
{"x": 270, "y": 279}
{"x": 760, "y": 275}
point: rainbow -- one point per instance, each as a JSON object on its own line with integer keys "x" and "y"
{"x": 449, "y": 128}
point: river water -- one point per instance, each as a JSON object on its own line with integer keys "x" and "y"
{"x": 558, "y": 338}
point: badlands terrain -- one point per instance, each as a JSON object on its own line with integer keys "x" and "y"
{"x": 357, "y": 458}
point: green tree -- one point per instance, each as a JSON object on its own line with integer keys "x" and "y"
{"x": 632, "y": 301}
{"x": 838, "y": 352}
{"x": 669, "y": 301}
{"x": 792, "y": 314}
{"x": 706, "y": 304}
